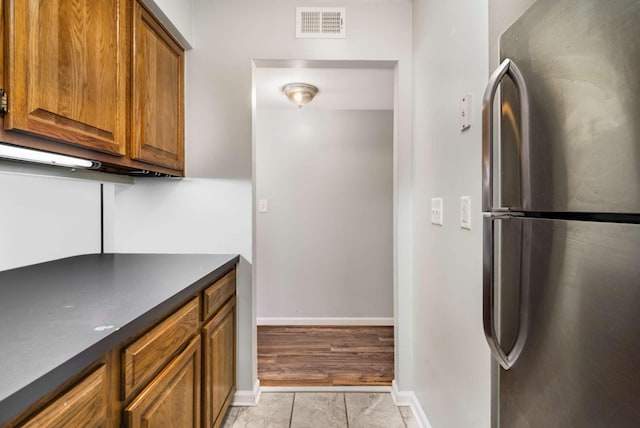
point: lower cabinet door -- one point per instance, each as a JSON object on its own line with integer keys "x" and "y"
{"x": 219, "y": 364}
{"x": 84, "y": 405}
{"x": 172, "y": 399}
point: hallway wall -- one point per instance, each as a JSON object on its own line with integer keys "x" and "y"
{"x": 325, "y": 248}
{"x": 451, "y": 358}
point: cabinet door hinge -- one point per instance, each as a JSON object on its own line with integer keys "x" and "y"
{"x": 4, "y": 103}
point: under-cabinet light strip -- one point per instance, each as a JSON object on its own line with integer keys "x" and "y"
{"x": 37, "y": 156}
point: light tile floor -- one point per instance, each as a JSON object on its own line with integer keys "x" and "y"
{"x": 321, "y": 410}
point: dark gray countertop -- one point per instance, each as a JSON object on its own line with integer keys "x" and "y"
{"x": 56, "y": 318}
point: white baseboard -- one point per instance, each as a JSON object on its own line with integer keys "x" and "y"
{"x": 400, "y": 398}
{"x": 247, "y": 397}
{"x": 325, "y": 389}
{"x": 365, "y": 321}
{"x": 408, "y": 398}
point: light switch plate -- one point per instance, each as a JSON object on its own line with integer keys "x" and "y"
{"x": 465, "y": 212}
{"x": 263, "y": 205}
{"x": 436, "y": 211}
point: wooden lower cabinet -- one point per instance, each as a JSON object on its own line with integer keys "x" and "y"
{"x": 219, "y": 364}
{"x": 172, "y": 399}
{"x": 84, "y": 405}
{"x": 178, "y": 372}
{"x": 146, "y": 356}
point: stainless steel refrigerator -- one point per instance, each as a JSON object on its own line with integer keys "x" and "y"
{"x": 561, "y": 202}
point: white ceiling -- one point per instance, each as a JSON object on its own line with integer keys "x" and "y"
{"x": 338, "y": 88}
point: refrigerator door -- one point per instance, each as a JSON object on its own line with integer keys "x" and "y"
{"x": 580, "y": 60}
{"x": 580, "y": 365}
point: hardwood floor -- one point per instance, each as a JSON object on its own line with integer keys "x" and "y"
{"x": 325, "y": 356}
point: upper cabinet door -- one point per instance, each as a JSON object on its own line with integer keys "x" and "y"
{"x": 67, "y": 71}
{"x": 157, "y": 94}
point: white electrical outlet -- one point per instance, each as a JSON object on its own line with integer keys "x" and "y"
{"x": 465, "y": 212}
{"x": 263, "y": 205}
{"x": 436, "y": 211}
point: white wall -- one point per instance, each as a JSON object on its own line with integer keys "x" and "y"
{"x": 182, "y": 216}
{"x": 228, "y": 34}
{"x": 452, "y": 362}
{"x": 325, "y": 246}
{"x": 46, "y": 218}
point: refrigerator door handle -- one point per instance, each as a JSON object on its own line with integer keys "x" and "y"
{"x": 506, "y": 359}
{"x": 506, "y": 68}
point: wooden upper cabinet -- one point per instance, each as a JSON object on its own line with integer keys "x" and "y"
{"x": 157, "y": 94}
{"x": 66, "y": 66}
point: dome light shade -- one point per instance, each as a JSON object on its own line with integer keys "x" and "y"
{"x": 300, "y": 93}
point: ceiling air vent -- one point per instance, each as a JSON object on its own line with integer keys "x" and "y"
{"x": 320, "y": 22}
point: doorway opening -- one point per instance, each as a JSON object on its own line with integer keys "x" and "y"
{"x": 323, "y": 183}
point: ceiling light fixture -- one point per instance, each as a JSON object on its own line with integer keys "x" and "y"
{"x": 300, "y": 93}
{"x": 30, "y": 155}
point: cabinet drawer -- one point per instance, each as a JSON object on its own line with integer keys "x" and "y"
{"x": 146, "y": 356}
{"x": 218, "y": 293}
{"x": 84, "y": 405}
